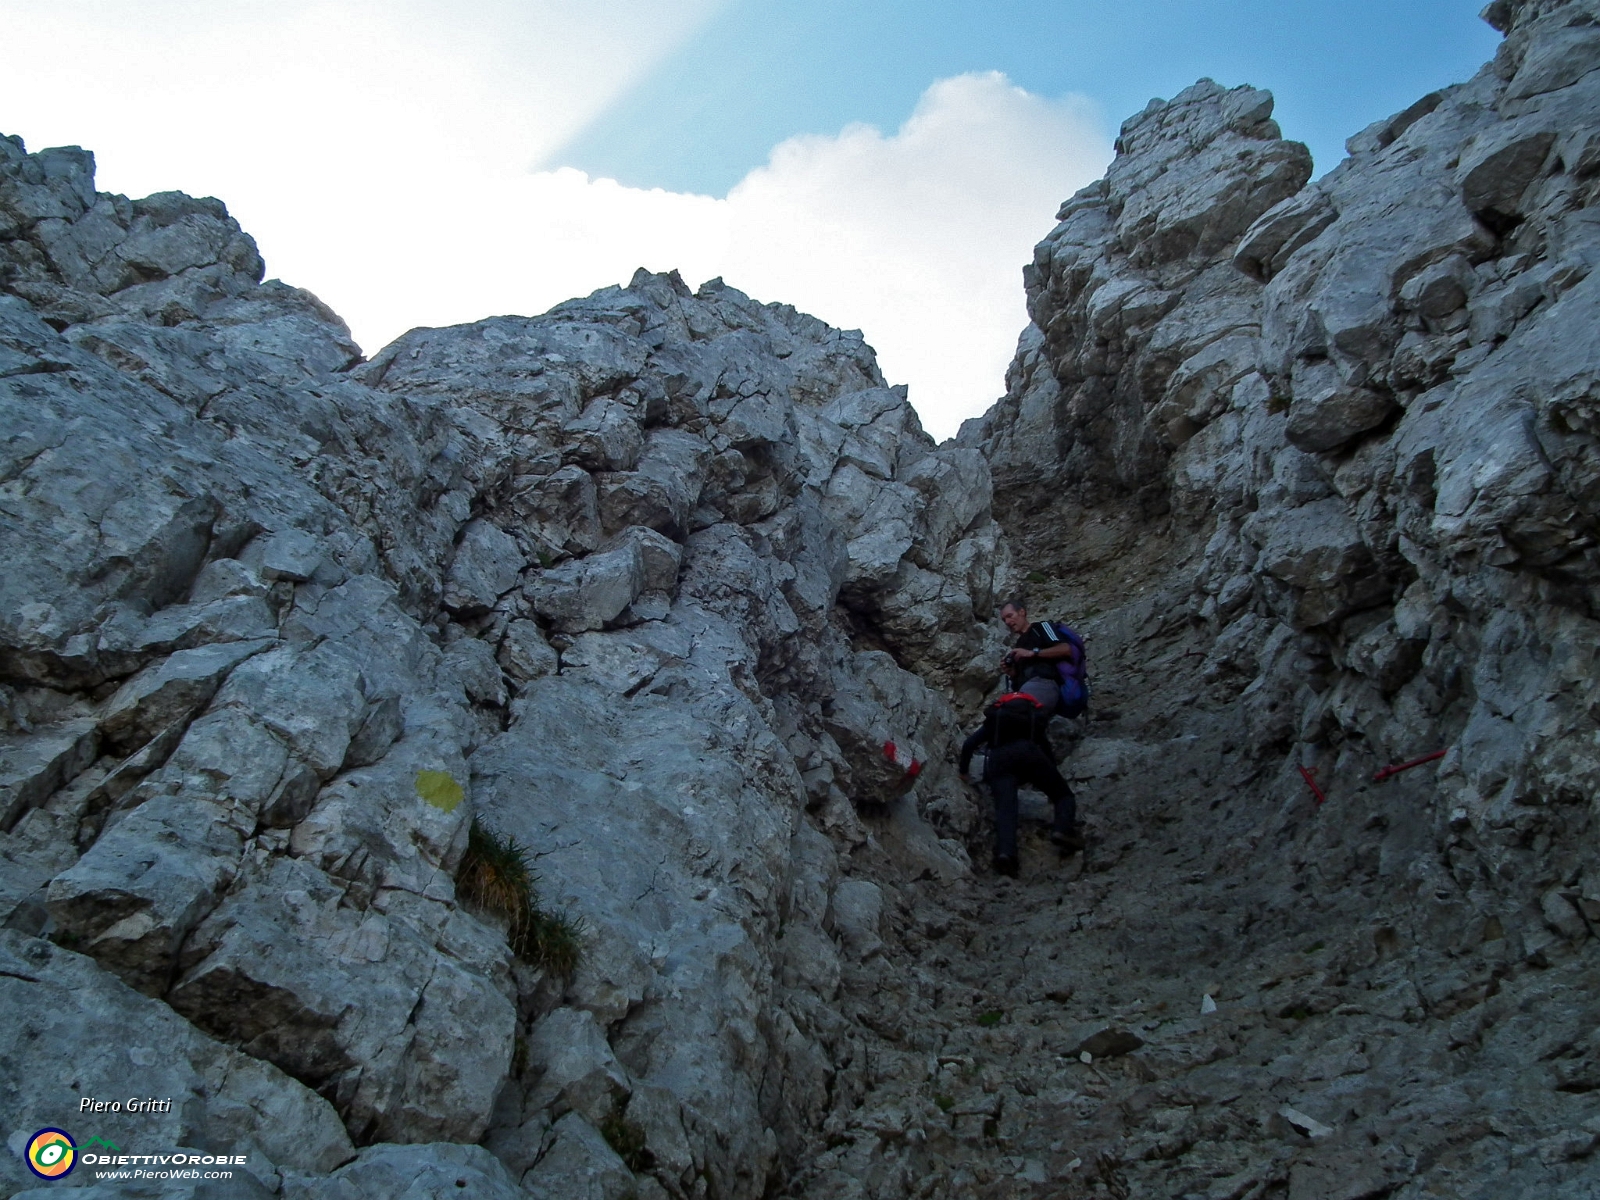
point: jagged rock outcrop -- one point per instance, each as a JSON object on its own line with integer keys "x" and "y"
{"x": 1311, "y": 462}
{"x": 641, "y": 583}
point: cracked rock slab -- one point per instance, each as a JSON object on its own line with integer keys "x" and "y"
{"x": 410, "y": 1042}
{"x": 60, "y": 1006}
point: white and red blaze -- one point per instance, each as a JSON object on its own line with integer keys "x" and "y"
{"x": 903, "y": 758}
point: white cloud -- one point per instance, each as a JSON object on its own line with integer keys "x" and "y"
{"x": 385, "y": 153}
{"x": 302, "y": 90}
{"x": 919, "y": 238}
{"x": 361, "y": 141}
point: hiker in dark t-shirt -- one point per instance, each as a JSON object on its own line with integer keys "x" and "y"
{"x": 1032, "y": 661}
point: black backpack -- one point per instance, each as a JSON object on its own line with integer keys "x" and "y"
{"x": 1017, "y": 717}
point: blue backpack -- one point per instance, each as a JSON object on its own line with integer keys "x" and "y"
{"x": 1073, "y": 672}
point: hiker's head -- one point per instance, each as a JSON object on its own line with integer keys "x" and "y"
{"x": 1015, "y": 615}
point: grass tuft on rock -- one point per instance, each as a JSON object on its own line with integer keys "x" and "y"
{"x": 554, "y": 940}
{"x": 627, "y": 1139}
{"x": 495, "y": 878}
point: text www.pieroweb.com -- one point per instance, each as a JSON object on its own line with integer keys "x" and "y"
{"x": 160, "y": 1166}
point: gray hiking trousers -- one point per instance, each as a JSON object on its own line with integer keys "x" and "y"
{"x": 1046, "y": 691}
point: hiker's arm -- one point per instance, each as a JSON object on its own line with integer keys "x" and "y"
{"x": 1059, "y": 650}
{"x": 969, "y": 747}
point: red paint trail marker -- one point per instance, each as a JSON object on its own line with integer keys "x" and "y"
{"x": 1385, "y": 772}
{"x": 902, "y": 758}
{"x": 1309, "y": 773}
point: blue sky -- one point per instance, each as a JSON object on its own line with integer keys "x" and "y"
{"x": 883, "y": 164}
{"x": 760, "y": 71}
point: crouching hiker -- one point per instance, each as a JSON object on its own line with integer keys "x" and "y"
{"x": 1017, "y": 753}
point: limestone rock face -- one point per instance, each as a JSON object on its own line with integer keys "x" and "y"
{"x": 646, "y": 584}
{"x": 104, "y": 1034}
{"x": 432, "y": 1172}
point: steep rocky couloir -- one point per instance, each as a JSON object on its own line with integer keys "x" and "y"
{"x": 647, "y": 584}
{"x": 1315, "y": 466}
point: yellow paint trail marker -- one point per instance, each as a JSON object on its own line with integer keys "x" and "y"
{"x": 440, "y": 789}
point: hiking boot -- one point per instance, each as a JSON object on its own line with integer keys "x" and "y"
{"x": 1005, "y": 865}
{"x": 1068, "y": 843}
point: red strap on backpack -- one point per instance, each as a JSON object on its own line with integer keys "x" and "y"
{"x": 1031, "y": 699}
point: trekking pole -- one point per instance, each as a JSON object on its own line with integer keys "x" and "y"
{"x": 1309, "y": 775}
{"x": 1385, "y": 772}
